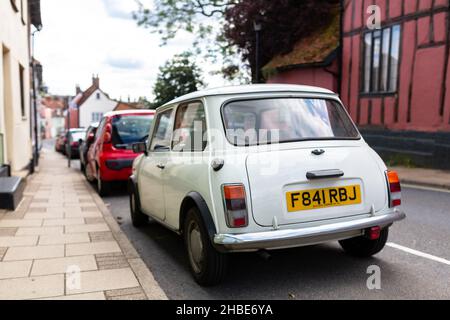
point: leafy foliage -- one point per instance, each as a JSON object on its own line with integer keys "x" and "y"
{"x": 204, "y": 19}
{"x": 284, "y": 22}
{"x": 225, "y": 27}
{"x": 176, "y": 78}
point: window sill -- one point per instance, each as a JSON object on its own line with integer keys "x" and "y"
{"x": 377, "y": 94}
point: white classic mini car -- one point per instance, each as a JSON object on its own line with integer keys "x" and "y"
{"x": 262, "y": 167}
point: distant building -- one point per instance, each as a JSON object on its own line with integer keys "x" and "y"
{"x": 52, "y": 116}
{"x": 16, "y": 19}
{"x": 128, "y": 106}
{"x": 90, "y": 106}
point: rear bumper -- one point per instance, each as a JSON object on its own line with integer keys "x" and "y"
{"x": 279, "y": 239}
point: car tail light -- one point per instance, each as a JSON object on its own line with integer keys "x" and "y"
{"x": 235, "y": 206}
{"x": 395, "y": 189}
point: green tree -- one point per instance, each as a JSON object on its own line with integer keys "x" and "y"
{"x": 176, "y": 78}
{"x": 203, "y": 18}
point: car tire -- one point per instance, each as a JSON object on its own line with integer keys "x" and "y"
{"x": 103, "y": 187}
{"x": 138, "y": 218}
{"x": 208, "y": 266}
{"x": 363, "y": 247}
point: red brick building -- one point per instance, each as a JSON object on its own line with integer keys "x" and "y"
{"x": 396, "y": 77}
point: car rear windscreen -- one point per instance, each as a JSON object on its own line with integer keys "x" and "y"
{"x": 129, "y": 129}
{"x": 281, "y": 120}
{"x": 78, "y": 135}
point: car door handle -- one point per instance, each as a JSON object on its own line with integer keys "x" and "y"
{"x": 324, "y": 174}
{"x": 161, "y": 166}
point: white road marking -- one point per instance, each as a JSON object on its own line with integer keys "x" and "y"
{"x": 418, "y": 253}
{"x": 413, "y": 186}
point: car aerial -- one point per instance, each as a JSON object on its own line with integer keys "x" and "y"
{"x": 262, "y": 167}
{"x": 111, "y": 156}
{"x": 72, "y": 142}
{"x": 86, "y": 143}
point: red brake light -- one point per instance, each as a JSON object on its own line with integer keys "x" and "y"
{"x": 395, "y": 189}
{"x": 373, "y": 233}
{"x": 235, "y": 206}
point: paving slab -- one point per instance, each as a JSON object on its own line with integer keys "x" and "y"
{"x": 62, "y": 265}
{"x": 32, "y": 288}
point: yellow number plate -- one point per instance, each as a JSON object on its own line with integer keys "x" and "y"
{"x": 323, "y": 198}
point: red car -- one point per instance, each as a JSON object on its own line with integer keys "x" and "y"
{"x": 111, "y": 155}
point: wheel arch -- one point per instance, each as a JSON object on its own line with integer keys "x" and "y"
{"x": 195, "y": 199}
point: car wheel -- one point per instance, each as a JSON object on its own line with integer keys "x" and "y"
{"x": 207, "y": 265}
{"x": 103, "y": 187}
{"x": 363, "y": 248}
{"x": 138, "y": 218}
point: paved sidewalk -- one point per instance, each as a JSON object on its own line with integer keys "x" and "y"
{"x": 63, "y": 243}
{"x": 424, "y": 177}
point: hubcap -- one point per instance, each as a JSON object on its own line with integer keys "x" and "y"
{"x": 195, "y": 244}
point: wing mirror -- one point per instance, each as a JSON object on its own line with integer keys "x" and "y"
{"x": 140, "y": 147}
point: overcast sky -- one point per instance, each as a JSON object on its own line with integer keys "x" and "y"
{"x": 84, "y": 37}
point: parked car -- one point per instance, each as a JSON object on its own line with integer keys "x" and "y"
{"x": 72, "y": 142}
{"x": 86, "y": 143}
{"x": 280, "y": 166}
{"x": 60, "y": 142}
{"x": 111, "y": 156}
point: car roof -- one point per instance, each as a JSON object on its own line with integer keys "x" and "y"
{"x": 254, "y": 88}
{"x": 129, "y": 112}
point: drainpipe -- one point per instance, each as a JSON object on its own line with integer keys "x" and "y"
{"x": 35, "y": 113}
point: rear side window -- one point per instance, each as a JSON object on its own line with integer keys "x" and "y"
{"x": 100, "y": 128}
{"x": 282, "y": 120}
{"x": 190, "y": 128}
{"x": 163, "y": 131}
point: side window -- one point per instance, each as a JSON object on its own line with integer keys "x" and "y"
{"x": 190, "y": 128}
{"x": 163, "y": 131}
{"x": 100, "y": 128}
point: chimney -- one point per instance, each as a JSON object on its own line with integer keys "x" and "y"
{"x": 77, "y": 89}
{"x": 96, "y": 81}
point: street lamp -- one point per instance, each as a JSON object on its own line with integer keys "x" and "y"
{"x": 257, "y": 26}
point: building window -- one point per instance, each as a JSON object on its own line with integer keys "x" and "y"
{"x": 22, "y": 90}
{"x": 381, "y": 60}
{"x": 98, "y": 96}
{"x": 97, "y": 116}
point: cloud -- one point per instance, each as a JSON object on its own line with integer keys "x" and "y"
{"x": 125, "y": 56}
{"x": 124, "y": 63}
{"x": 120, "y": 9}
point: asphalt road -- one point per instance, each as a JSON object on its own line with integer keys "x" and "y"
{"x": 319, "y": 272}
{"x": 414, "y": 265}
